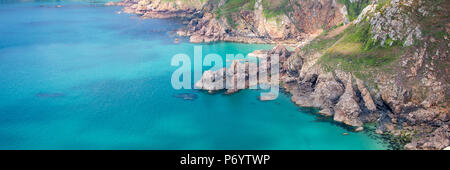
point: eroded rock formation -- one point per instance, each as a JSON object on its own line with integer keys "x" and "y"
{"x": 411, "y": 101}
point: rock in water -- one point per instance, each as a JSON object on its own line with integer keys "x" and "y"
{"x": 186, "y": 96}
{"x": 326, "y": 112}
{"x": 378, "y": 131}
{"x": 359, "y": 129}
{"x": 177, "y": 40}
{"x": 268, "y": 97}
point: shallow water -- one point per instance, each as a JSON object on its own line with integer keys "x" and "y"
{"x": 84, "y": 77}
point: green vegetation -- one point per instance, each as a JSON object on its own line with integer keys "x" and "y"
{"x": 274, "y": 8}
{"x": 271, "y": 8}
{"x": 358, "y": 53}
{"x": 382, "y": 3}
{"x": 320, "y": 44}
{"x": 354, "y": 8}
{"x": 233, "y": 6}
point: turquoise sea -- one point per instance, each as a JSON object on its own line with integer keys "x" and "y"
{"x": 81, "y": 76}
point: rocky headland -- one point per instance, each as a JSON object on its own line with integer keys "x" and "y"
{"x": 255, "y": 21}
{"x": 358, "y": 61}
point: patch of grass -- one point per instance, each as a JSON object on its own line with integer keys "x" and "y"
{"x": 381, "y": 4}
{"x": 232, "y": 6}
{"x": 320, "y": 44}
{"x": 358, "y": 53}
{"x": 274, "y": 8}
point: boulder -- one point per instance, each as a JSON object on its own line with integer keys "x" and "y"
{"x": 267, "y": 97}
{"x": 347, "y": 109}
{"x": 359, "y": 129}
{"x": 439, "y": 139}
{"x": 368, "y": 101}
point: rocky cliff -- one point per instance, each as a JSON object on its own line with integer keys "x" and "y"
{"x": 389, "y": 66}
{"x": 251, "y": 21}
{"x": 382, "y": 61}
{"x": 160, "y": 8}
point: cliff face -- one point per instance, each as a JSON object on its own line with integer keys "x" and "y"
{"x": 160, "y": 8}
{"x": 386, "y": 64}
{"x": 390, "y": 67}
{"x": 255, "y": 21}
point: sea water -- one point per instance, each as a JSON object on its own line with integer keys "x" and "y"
{"x": 82, "y": 76}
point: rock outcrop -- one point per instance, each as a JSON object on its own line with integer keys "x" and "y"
{"x": 160, "y": 8}
{"x": 410, "y": 101}
{"x": 347, "y": 109}
{"x": 286, "y": 21}
{"x": 243, "y": 73}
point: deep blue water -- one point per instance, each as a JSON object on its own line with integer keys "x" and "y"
{"x": 84, "y": 77}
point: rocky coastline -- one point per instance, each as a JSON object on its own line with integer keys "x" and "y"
{"x": 204, "y": 25}
{"x": 410, "y": 102}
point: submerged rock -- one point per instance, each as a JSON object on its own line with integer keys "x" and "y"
{"x": 404, "y": 98}
{"x": 186, "y": 96}
{"x": 268, "y": 97}
{"x": 177, "y": 40}
{"x": 359, "y": 129}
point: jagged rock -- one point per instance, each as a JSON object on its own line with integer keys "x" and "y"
{"x": 158, "y": 8}
{"x": 378, "y": 131}
{"x": 326, "y": 112}
{"x": 391, "y": 23}
{"x": 420, "y": 116}
{"x": 237, "y": 76}
{"x": 365, "y": 12}
{"x": 405, "y": 99}
{"x": 368, "y": 101}
{"x": 347, "y": 109}
{"x": 245, "y": 26}
{"x": 392, "y": 94}
{"x": 293, "y": 65}
{"x": 196, "y": 39}
{"x": 280, "y": 51}
{"x": 438, "y": 139}
{"x": 211, "y": 80}
{"x": 359, "y": 129}
{"x": 326, "y": 91}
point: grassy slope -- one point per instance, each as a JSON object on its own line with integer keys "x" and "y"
{"x": 272, "y": 8}
{"x": 355, "y": 51}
